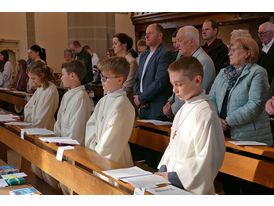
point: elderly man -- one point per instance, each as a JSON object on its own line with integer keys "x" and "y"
{"x": 266, "y": 35}
{"x": 151, "y": 86}
{"x": 213, "y": 46}
{"x": 81, "y": 54}
{"x": 189, "y": 45}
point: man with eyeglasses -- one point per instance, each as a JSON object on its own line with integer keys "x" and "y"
{"x": 266, "y": 57}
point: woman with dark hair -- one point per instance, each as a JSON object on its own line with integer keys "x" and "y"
{"x": 37, "y": 53}
{"x": 5, "y": 70}
{"x": 22, "y": 78}
{"x": 122, "y": 43}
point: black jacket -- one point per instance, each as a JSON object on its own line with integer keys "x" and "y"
{"x": 85, "y": 57}
{"x": 267, "y": 61}
{"x": 219, "y": 55}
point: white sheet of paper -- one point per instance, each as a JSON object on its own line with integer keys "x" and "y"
{"x": 2, "y": 88}
{"x": 22, "y": 133}
{"x": 19, "y": 123}
{"x": 60, "y": 152}
{"x": 126, "y": 172}
{"x": 168, "y": 190}
{"x": 3, "y": 183}
{"x": 139, "y": 191}
{"x": 155, "y": 122}
{"x": 38, "y": 131}
{"x": 8, "y": 117}
{"x": 62, "y": 140}
{"x": 20, "y": 174}
{"x": 247, "y": 143}
{"x": 145, "y": 181}
{"x": 19, "y": 92}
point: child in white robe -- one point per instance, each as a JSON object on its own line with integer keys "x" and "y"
{"x": 42, "y": 106}
{"x": 76, "y": 106}
{"x": 197, "y": 145}
{"x": 109, "y": 128}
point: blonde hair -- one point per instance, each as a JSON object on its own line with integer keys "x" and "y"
{"x": 248, "y": 44}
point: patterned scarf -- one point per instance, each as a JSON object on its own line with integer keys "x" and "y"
{"x": 232, "y": 75}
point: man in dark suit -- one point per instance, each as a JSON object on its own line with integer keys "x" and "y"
{"x": 266, "y": 57}
{"x": 152, "y": 87}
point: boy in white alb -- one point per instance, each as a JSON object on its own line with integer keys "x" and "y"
{"x": 76, "y": 107}
{"x": 109, "y": 128}
{"x": 197, "y": 146}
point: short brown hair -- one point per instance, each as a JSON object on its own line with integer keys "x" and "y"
{"x": 76, "y": 43}
{"x": 159, "y": 28}
{"x": 190, "y": 66}
{"x": 116, "y": 65}
{"x": 77, "y": 67}
{"x": 44, "y": 72}
{"x": 214, "y": 24}
{"x": 141, "y": 42}
{"x": 248, "y": 44}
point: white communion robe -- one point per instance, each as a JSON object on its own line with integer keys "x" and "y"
{"x": 109, "y": 128}
{"x": 42, "y": 106}
{"x": 74, "y": 111}
{"x": 197, "y": 150}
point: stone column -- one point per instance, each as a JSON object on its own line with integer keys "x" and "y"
{"x": 92, "y": 28}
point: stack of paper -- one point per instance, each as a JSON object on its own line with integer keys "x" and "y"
{"x": 20, "y": 174}
{"x": 25, "y": 191}
{"x": 137, "y": 177}
{"x": 155, "y": 122}
{"x": 19, "y": 123}
{"x": 19, "y": 92}
{"x": 3, "y": 183}
{"x": 247, "y": 143}
{"x": 8, "y": 117}
{"x": 126, "y": 172}
{"x": 38, "y": 131}
{"x": 61, "y": 140}
{"x": 168, "y": 190}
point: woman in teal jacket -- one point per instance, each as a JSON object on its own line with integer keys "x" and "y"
{"x": 239, "y": 93}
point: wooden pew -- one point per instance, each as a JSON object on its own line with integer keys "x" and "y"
{"x": 76, "y": 174}
{"x": 150, "y": 136}
{"x": 251, "y": 163}
{"x": 13, "y": 98}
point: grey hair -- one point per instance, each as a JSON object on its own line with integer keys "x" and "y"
{"x": 269, "y": 26}
{"x": 191, "y": 32}
{"x": 241, "y": 33}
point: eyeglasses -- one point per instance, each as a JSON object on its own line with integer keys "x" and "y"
{"x": 262, "y": 33}
{"x": 105, "y": 78}
{"x": 233, "y": 49}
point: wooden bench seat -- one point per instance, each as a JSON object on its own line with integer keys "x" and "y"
{"x": 251, "y": 163}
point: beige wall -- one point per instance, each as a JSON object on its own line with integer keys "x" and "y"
{"x": 13, "y": 27}
{"x": 51, "y": 33}
{"x": 123, "y": 24}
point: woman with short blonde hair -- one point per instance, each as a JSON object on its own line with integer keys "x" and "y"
{"x": 239, "y": 93}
